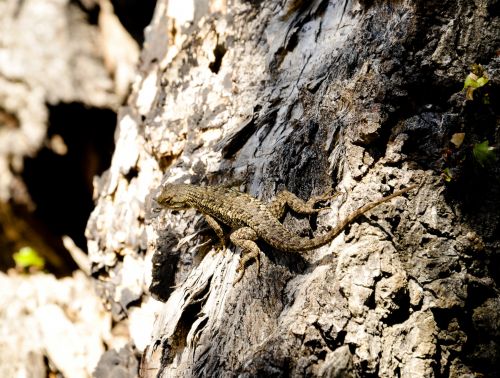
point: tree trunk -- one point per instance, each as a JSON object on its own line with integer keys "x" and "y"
{"x": 57, "y": 116}
{"x": 363, "y": 97}
{"x": 59, "y": 90}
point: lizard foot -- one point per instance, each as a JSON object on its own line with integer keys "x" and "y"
{"x": 220, "y": 247}
{"x": 328, "y": 195}
{"x": 242, "y": 265}
{"x": 245, "y": 239}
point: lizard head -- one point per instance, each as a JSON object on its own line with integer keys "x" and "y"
{"x": 173, "y": 196}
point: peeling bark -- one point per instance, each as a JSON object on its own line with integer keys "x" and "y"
{"x": 363, "y": 97}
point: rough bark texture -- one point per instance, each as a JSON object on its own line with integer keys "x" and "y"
{"x": 363, "y": 97}
{"x": 54, "y": 84}
{"x": 49, "y": 325}
{"x": 59, "y": 89}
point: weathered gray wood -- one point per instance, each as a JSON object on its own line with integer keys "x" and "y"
{"x": 359, "y": 96}
{"x": 51, "y": 325}
{"x": 50, "y": 56}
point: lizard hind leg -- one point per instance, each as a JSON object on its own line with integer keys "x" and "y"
{"x": 286, "y": 199}
{"x": 245, "y": 239}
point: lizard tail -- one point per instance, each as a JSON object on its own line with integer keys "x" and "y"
{"x": 333, "y": 233}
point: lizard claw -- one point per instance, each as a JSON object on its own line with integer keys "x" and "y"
{"x": 328, "y": 195}
{"x": 238, "y": 279}
{"x": 242, "y": 266}
{"x": 324, "y": 208}
{"x": 220, "y": 247}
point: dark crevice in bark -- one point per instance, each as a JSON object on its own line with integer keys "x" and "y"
{"x": 164, "y": 264}
{"x": 475, "y": 187}
{"x": 219, "y": 52}
{"x": 420, "y": 115}
{"x": 131, "y": 174}
{"x": 134, "y": 15}
{"x": 123, "y": 363}
{"x": 8, "y": 119}
{"x": 177, "y": 342}
{"x": 331, "y": 338}
{"x": 370, "y": 301}
{"x": 303, "y": 159}
{"x": 62, "y": 193}
{"x": 365, "y": 372}
{"x": 231, "y": 144}
{"x": 400, "y": 314}
{"x": 461, "y": 337}
{"x": 92, "y": 12}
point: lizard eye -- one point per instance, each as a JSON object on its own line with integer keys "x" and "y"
{"x": 165, "y": 200}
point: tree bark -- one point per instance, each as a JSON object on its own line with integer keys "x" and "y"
{"x": 53, "y": 81}
{"x": 364, "y": 97}
{"x": 57, "y": 105}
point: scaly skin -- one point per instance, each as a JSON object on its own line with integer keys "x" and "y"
{"x": 251, "y": 219}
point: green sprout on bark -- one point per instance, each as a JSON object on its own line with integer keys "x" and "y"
{"x": 484, "y": 154}
{"x": 477, "y": 78}
{"x": 28, "y": 259}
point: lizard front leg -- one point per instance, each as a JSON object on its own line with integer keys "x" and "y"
{"x": 285, "y": 198}
{"x": 245, "y": 239}
{"x": 212, "y": 222}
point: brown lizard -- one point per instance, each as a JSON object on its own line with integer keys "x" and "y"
{"x": 252, "y": 219}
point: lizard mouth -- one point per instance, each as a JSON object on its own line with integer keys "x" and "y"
{"x": 162, "y": 202}
{"x": 175, "y": 205}
{"x": 159, "y": 206}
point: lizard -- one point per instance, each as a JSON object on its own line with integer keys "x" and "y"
{"x": 251, "y": 219}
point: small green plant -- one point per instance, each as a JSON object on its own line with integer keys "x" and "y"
{"x": 447, "y": 175}
{"x": 477, "y": 78}
{"x": 484, "y": 154}
{"x": 28, "y": 259}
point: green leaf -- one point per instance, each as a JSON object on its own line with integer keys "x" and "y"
{"x": 28, "y": 257}
{"x": 473, "y": 81}
{"x": 481, "y": 81}
{"x": 484, "y": 154}
{"x": 470, "y": 81}
{"x": 447, "y": 175}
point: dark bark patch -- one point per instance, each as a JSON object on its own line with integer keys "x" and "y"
{"x": 219, "y": 52}
{"x": 177, "y": 342}
{"x": 60, "y": 184}
{"x": 164, "y": 264}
